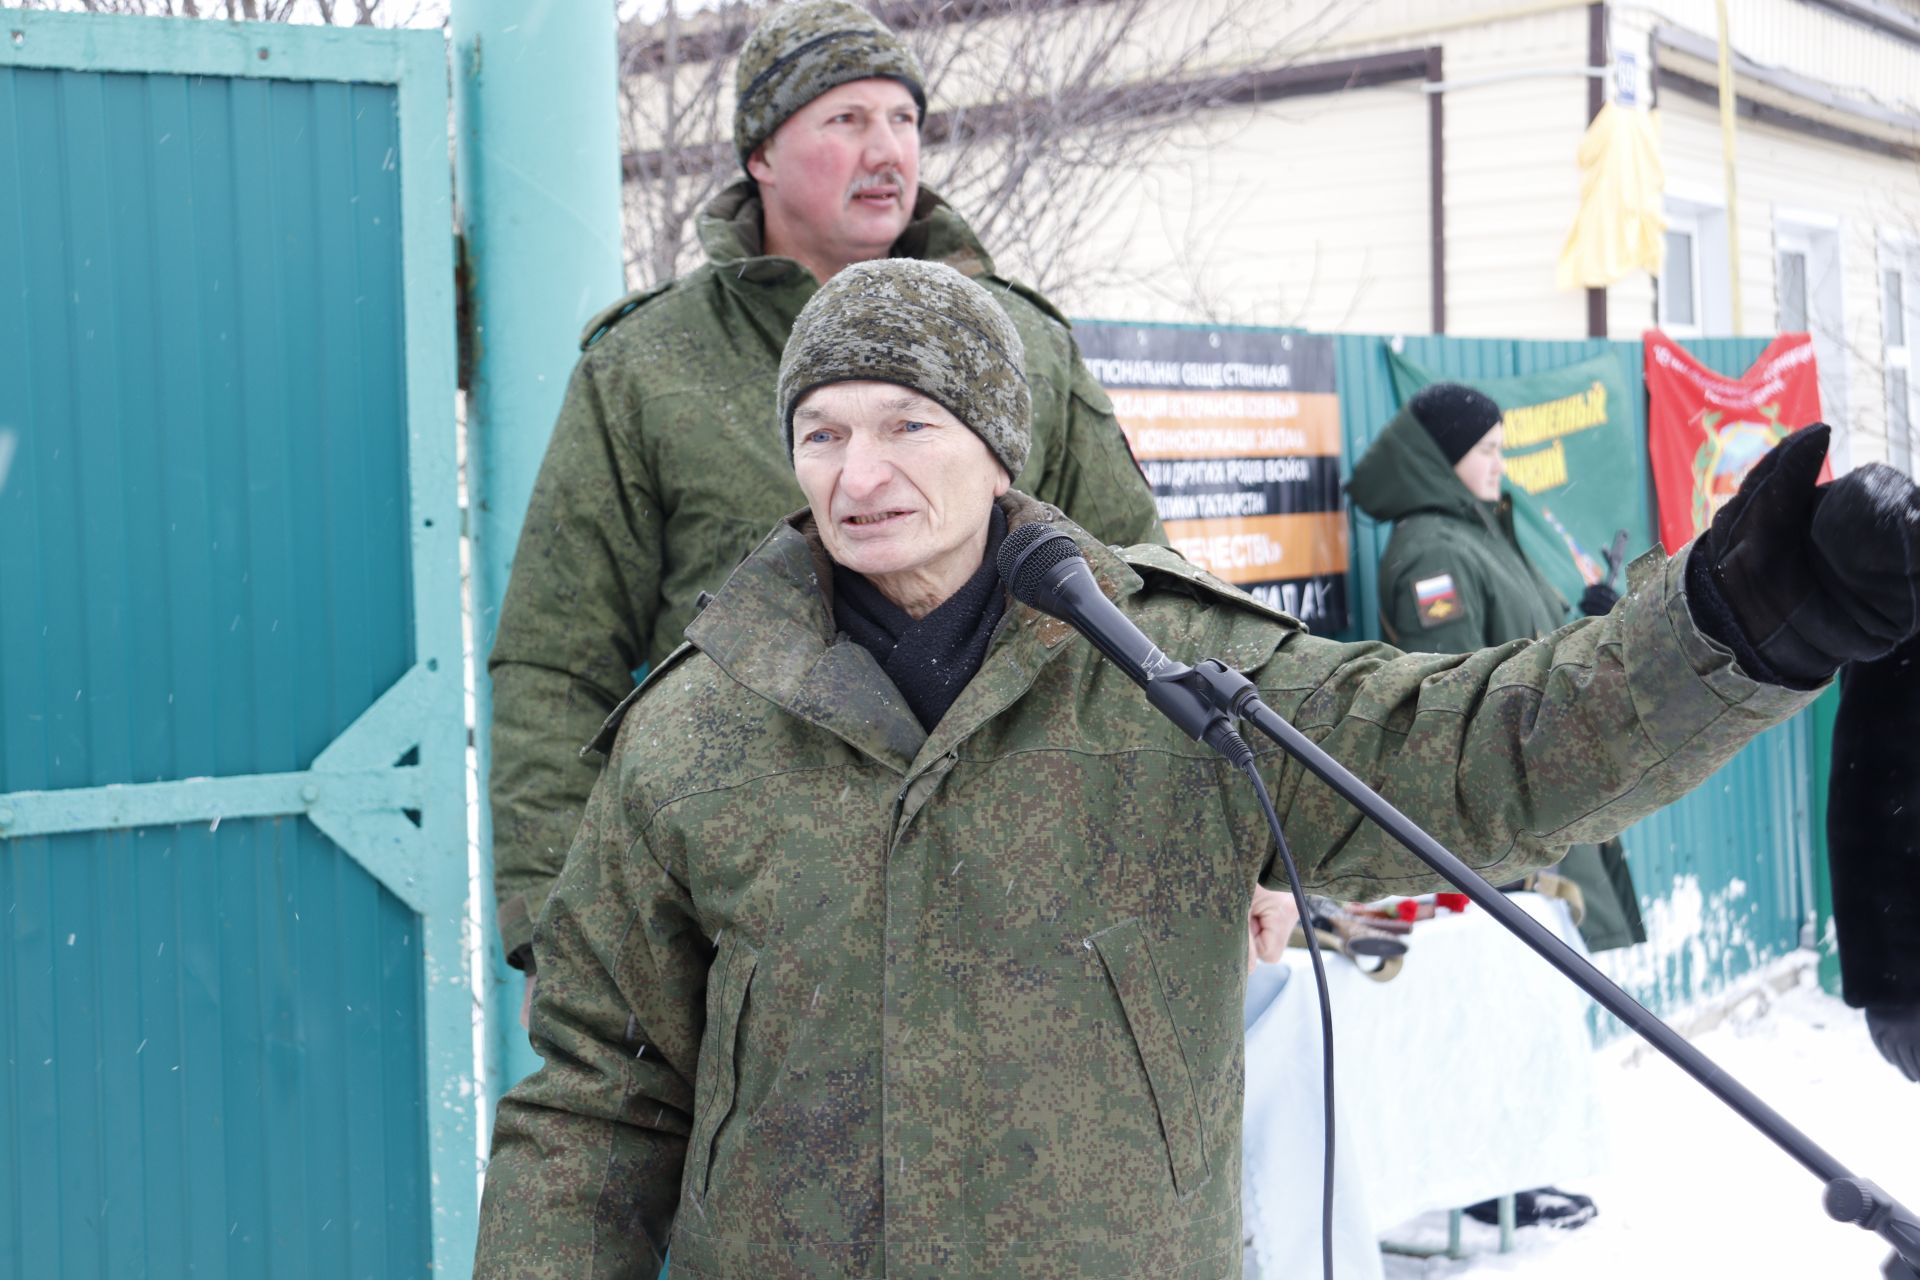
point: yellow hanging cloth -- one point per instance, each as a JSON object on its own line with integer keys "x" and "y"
{"x": 1622, "y": 180}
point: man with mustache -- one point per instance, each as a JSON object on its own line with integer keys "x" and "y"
{"x": 903, "y": 937}
{"x": 660, "y": 475}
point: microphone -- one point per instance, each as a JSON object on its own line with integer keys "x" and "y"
{"x": 1043, "y": 568}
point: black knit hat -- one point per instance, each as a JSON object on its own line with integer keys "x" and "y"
{"x": 1456, "y": 416}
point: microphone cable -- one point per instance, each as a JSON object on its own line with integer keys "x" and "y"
{"x": 1247, "y": 765}
{"x": 1044, "y": 568}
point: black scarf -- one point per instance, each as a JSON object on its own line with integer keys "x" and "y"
{"x": 930, "y": 660}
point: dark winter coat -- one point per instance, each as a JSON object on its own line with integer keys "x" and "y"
{"x": 1454, "y": 580}
{"x": 824, "y": 993}
{"x": 1873, "y": 829}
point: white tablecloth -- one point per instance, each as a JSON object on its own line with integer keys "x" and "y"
{"x": 1467, "y": 1076}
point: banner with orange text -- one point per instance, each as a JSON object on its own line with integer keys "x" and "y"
{"x": 1238, "y": 433}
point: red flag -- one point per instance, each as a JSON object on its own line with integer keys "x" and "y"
{"x": 1705, "y": 431}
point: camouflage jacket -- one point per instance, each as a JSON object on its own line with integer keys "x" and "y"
{"x": 666, "y": 467}
{"x": 824, "y": 994}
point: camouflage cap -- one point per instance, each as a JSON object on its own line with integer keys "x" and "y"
{"x": 921, "y": 325}
{"x": 801, "y": 51}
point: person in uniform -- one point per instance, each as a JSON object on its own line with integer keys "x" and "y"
{"x": 902, "y": 937}
{"x": 1454, "y": 579}
{"x": 659, "y": 476}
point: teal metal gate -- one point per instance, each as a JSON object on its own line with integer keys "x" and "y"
{"x": 235, "y": 993}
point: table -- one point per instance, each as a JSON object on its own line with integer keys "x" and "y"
{"x": 1468, "y": 1076}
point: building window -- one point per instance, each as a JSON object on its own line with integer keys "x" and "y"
{"x": 1893, "y": 304}
{"x": 1900, "y": 420}
{"x": 1693, "y": 297}
{"x": 1679, "y": 283}
{"x": 1791, "y": 276}
{"x": 1807, "y": 294}
{"x": 1895, "y": 323}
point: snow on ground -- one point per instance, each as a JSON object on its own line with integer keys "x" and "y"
{"x": 1692, "y": 1190}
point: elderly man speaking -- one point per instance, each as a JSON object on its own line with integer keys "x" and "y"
{"x": 903, "y": 938}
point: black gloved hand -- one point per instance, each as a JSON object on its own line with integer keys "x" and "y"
{"x": 1896, "y": 1034}
{"x": 1598, "y": 599}
{"x": 1805, "y": 579}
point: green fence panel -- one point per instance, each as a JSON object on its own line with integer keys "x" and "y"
{"x": 1820, "y": 718}
{"x": 234, "y": 993}
{"x": 1727, "y": 876}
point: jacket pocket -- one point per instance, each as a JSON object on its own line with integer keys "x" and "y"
{"x": 1123, "y": 950}
{"x": 719, "y": 1047}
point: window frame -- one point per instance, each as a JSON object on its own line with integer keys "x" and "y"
{"x": 1792, "y": 242}
{"x": 1699, "y": 213}
{"x": 1900, "y": 258}
{"x": 1687, "y": 223}
{"x": 1821, "y": 237}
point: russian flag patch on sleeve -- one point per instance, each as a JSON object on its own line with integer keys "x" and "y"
{"x": 1438, "y": 601}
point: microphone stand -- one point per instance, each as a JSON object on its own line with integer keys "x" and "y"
{"x": 1207, "y": 699}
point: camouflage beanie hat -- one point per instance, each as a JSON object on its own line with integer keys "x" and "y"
{"x": 921, "y": 325}
{"x": 801, "y": 51}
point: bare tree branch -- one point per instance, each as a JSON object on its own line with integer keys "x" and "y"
{"x": 369, "y": 13}
{"x": 1048, "y": 110}
{"x": 1088, "y": 95}
{"x": 1047, "y": 113}
{"x": 677, "y": 104}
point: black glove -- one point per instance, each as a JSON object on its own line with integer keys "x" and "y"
{"x": 1798, "y": 580}
{"x": 1896, "y": 1034}
{"x": 1597, "y": 600}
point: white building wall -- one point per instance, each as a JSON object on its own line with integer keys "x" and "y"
{"x": 1512, "y": 181}
{"x": 1784, "y": 177}
{"x": 1311, "y": 211}
{"x": 1804, "y": 38}
{"x": 1314, "y": 211}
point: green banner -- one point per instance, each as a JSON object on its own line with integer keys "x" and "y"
{"x": 1571, "y": 463}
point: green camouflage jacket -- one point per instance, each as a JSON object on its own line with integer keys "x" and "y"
{"x": 666, "y": 467}
{"x": 823, "y": 994}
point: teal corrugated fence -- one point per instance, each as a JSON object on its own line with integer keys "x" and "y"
{"x": 233, "y": 995}
{"x": 1726, "y": 875}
